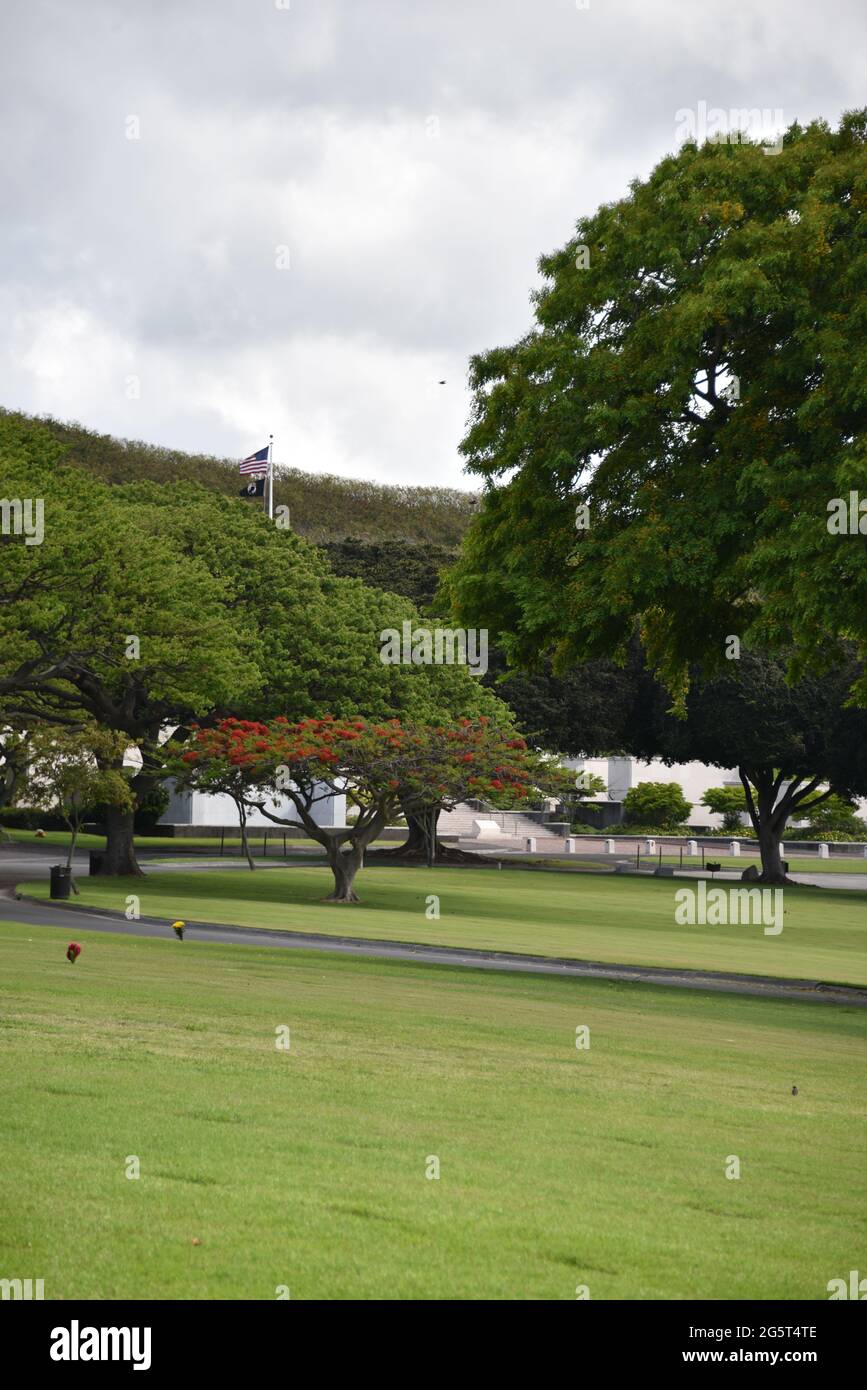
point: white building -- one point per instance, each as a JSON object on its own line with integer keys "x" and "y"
{"x": 189, "y": 808}
{"x": 619, "y": 774}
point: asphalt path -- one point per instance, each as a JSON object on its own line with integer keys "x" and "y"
{"x": 14, "y": 866}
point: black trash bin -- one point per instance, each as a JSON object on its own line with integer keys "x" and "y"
{"x": 95, "y": 862}
{"x": 61, "y": 881}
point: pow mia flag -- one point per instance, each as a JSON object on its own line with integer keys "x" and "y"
{"x": 255, "y": 488}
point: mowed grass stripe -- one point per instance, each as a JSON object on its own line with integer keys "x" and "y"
{"x": 307, "y": 1168}
{"x": 588, "y": 917}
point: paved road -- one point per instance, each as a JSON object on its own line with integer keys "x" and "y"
{"x": 69, "y": 920}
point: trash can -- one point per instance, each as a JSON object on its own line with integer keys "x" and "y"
{"x": 61, "y": 881}
{"x": 95, "y": 862}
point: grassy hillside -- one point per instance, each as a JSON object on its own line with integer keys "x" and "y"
{"x": 322, "y": 507}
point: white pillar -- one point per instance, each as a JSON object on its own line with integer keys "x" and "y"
{"x": 735, "y": 848}
{"x": 692, "y": 847}
{"x": 824, "y": 852}
{"x": 531, "y": 843}
{"x": 609, "y": 848}
{"x": 570, "y": 845}
{"x": 649, "y": 846}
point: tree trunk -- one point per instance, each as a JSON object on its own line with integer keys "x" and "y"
{"x": 421, "y": 840}
{"x": 73, "y": 838}
{"x": 422, "y": 845}
{"x": 344, "y": 866}
{"x": 770, "y": 847}
{"x": 344, "y": 863}
{"x": 415, "y": 842}
{"x": 242, "y": 819}
{"x": 770, "y": 808}
{"x": 119, "y": 857}
{"x": 761, "y": 788}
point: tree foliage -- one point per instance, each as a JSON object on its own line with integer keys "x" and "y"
{"x": 71, "y": 770}
{"x": 793, "y": 744}
{"x": 728, "y": 802}
{"x": 146, "y": 607}
{"x": 658, "y": 804}
{"x": 700, "y": 388}
{"x": 385, "y": 765}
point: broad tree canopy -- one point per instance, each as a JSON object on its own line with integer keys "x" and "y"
{"x": 660, "y": 450}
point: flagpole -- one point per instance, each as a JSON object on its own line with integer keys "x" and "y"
{"x": 270, "y": 483}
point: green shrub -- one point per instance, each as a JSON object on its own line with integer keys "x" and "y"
{"x": 728, "y": 802}
{"x": 660, "y": 804}
{"x": 31, "y": 818}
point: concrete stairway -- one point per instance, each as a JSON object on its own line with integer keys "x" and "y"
{"x": 514, "y": 825}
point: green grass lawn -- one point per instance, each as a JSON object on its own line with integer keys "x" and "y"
{"x": 174, "y": 846}
{"x": 801, "y": 865}
{"x": 595, "y": 917}
{"x": 171, "y": 844}
{"x": 306, "y": 1168}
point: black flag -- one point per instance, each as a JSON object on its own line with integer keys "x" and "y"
{"x": 255, "y": 488}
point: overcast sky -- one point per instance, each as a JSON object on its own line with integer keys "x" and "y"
{"x": 409, "y": 161}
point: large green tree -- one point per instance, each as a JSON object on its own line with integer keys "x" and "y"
{"x": 794, "y": 744}
{"x": 660, "y": 450}
{"x": 146, "y": 607}
{"x": 384, "y": 764}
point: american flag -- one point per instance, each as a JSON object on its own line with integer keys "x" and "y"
{"x": 256, "y": 463}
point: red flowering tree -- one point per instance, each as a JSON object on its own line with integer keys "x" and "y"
{"x": 474, "y": 758}
{"x": 386, "y": 764}
{"x": 223, "y": 760}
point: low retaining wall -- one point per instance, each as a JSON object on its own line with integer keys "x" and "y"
{"x": 254, "y": 832}
{"x": 851, "y": 848}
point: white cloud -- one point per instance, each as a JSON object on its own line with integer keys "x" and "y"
{"x": 415, "y": 160}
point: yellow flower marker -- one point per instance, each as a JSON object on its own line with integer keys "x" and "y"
{"x": 178, "y": 929}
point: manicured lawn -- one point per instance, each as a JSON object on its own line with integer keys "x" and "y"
{"x": 178, "y": 848}
{"x": 173, "y": 847}
{"x": 596, "y": 917}
{"x": 169, "y": 844}
{"x": 802, "y": 865}
{"x": 306, "y": 1167}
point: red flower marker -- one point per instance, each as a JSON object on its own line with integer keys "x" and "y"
{"x": 73, "y": 951}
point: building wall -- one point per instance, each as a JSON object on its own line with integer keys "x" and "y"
{"x": 197, "y": 808}
{"x": 619, "y": 774}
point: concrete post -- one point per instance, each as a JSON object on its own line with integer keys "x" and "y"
{"x": 824, "y": 852}
{"x": 609, "y": 848}
{"x": 692, "y": 847}
{"x": 649, "y": 846}
{"x": 735, "y": 848}
{"x": 570, "y": 845}
{"x": 530, "y": 844}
